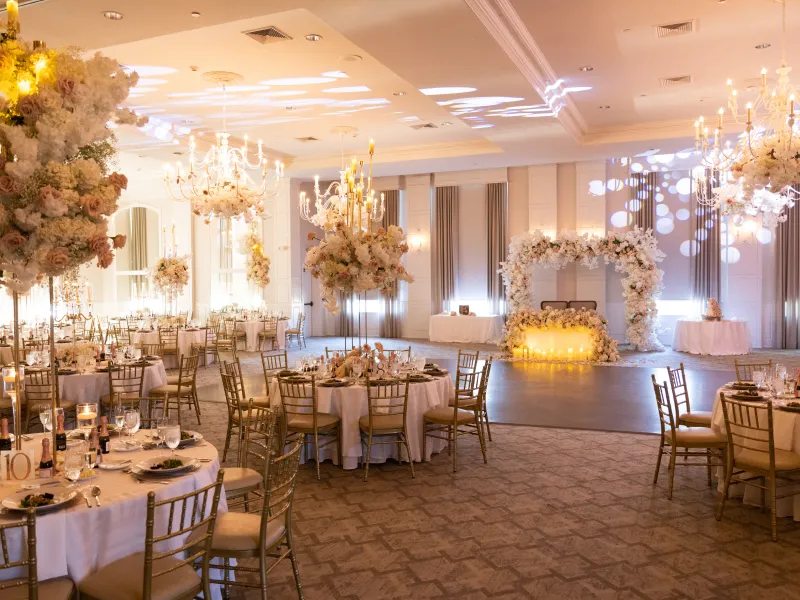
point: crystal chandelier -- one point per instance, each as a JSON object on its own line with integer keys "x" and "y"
{"x": 756, "y": 175}
{"x": 349, "y": 201}
{"x": 218, "y": 183}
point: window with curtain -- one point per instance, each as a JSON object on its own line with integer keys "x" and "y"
{"x": 392, "y": 321}
{"x": 706, "y": 278}
{"x": 444, "y": 248}
{"x": 787, "y": 280}
{"x": 642, "y": 204}
{"x": 497, "y": 223}
{"x": 229, "y": 267}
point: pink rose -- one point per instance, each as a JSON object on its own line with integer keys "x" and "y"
{"x": 118, "y": 241}
{"x": 13, "y": 241}
{"x": 91, "y": 205}
{"x": 8, "y": 186}
{"x": 118, "y": 180}
{"x": 66, "y": 85}
{"x": 104, "y": 260}
{"x": 57, "y": 259}
{"x": 29, "y": 107}
{"x": 99, "y": 244}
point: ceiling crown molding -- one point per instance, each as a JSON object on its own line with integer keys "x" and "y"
{"x": 505, "y": 26}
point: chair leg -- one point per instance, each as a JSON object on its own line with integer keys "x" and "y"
{"x": 725, "y": 486}
{"x": 369, "y": 455}
{"x": 316, "y": 451}
{"x": 455, "y": 445}
{"x": 773, "y": 509}
{"x": 424, "y": 440}
{"x": 404, "y": 439}
{"x": 671, "y": 471}
{"x": 482, "y": 441}
{"x": 658, "y": 460}
{"x": 293, "y": 558}
{"x": 486, "y": 420}
{"x": 708, "y": 466}
{"x": 227, "y": 441}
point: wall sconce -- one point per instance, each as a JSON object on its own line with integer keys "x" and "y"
{"x": 417, "y": 240}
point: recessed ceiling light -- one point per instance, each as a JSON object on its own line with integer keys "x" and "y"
{"x": 398, "y": 93}
{"x": 763, "y": 46}
{"x": 444, "y": 91}
{"x": 586, "y": 68}
{"x": 112, "y": 15}
{"x": 313, "y": 37}
{"x": 195, "y": 14}
{"x": 335, "y": 74}
{"x": 350, "y": 58}
{"x": 604, "y": 107}
{"x": 483, "y": 126}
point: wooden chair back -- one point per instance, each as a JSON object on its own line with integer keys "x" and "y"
{"x": 467, "y": 361}
{"x": 664, "y": 406}
{"x": 749, "y": 427}
{"x": 27, "y": 528}
{"x": 744, "y": 370}
{"x": 680, "y": 391}
{"x": 387, "y": 397}
{"x": 126, "y": 381}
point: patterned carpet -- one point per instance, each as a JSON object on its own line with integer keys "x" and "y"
{"x": 555, "y": 514}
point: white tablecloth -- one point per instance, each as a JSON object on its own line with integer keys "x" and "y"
{"x": 185, "y": 340}
{"x": 77, "y": 541}
{"x": 786, "y": 429}
{"x": 466, "y": 330}
{"x": 350, "y": 403}
{"x": 717, "y": 338}
{"x": 253, "y": 328}
{"x": 90, "y": 387}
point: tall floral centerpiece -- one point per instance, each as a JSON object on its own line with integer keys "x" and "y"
{"x": 57, "y": 187}
{"x": 257, "y": 262}
{"x": 170, "y": 275}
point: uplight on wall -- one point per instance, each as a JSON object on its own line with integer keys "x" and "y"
{"x": 417, "y": 241}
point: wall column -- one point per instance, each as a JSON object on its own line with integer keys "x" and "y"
{"x": 418, "y": 218}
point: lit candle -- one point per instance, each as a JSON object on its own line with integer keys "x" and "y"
{"x": 749, "y": 112}
{"x": 696, "y": 131}
{"x": 720, "y": 113}
{"x": 730, "y": 86}
{"x": 371, "y": 146}
{"x": 12, "y": 9}
{"x": 763, "y": 79}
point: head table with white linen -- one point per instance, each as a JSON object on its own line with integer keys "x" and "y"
{"x": 253, "y": 328}
{"x": 464, "y": 329}
{"x": 77, "y": 540}
{"x": 714, "y": 338}
{"x": 350, "y": 404}
{"x": 786, "y": 429}
{"x": 186, "y": 337}
{"x": 93, "y": 385}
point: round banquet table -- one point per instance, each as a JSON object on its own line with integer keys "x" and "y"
{"x": 715, "y": 338}
{"x": 253, "y": 328}
{"x": 186, "y": 337}
{"x": 91, "y": 386}
{"x": 786, "y": 429}
{"x": 350, "y": 404}
{"x": 77, "y": 541}
{"x": 466, "y": 330}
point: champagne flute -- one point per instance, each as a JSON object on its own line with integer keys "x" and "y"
{"x": 119, "y": 417}
{"x": 46, "y": 417}
{"x": 131, "y": 423}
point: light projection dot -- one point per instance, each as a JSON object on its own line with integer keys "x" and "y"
{"x": 335, "y": 74}
{"x": 614, "y": 185}
{"x": 659, "y": 197}
{"x": 701, "y": 235}
{"x": 688, "y": 248}
{"x": 621, "y": 218}
{"x": 667, "y": 176}
{"x": 297, "y": 81}
{"x": 597, "y": 188}
{"x": 483, "y": 126}
{"x": 730, "y": 255}
{"x": 347, "y": 89}
{"x": 445, "y": 91}
{"x": 682, "y": 214}
{"x": 672, "y": 189}
{"x": 662, "y": 210}
{"x": 635, "y": 205}
{"x": 726, "y": 239}
{"x": 764, "y": 236}
{"x": 665, "y": 226}
{"x": 684, "y": 186}
{"x": 637, "y": 167}
{"x": 710, "y": 224}
{"x": 150, "y": 81}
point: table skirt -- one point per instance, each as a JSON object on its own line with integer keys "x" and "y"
{"x": 465, "y": 330}
{"x": 714, "y": 338}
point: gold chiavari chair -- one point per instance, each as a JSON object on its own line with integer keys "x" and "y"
{"x": 264, "y": 532}
{"x": 752, "y": 456}
{"x": 184, "y": 389}
{"x": 467, "y": 361}
{"x": 684, "y": 415}
{"x": 183, "y": 317}
{"x": 30, "y": 588}
{"x": 298, "y": 332}
{"x": 167, "y": 574}
{"x": 467, "y": 399}
{"x": 33, "y": 345}
{"x": 696, "y": 442}
{"x": 329, "y": 352}
{"x": 207, "y": 345}
{"x": 272, "y": 363}
{"x": 387, "y": 405}
{"x": 445, "y": 422}
{"x": 404, "y": 352}
{"x": 224, "y": 342}
{"x": 152, "y": 350}
{"x": 270, "y": 332}
{"x": 124, "y": 382}
{"x": 234, "y": 368}
{"x": 236, "y": 416}
{"x": 168, "y": 338}
{"x": 744, "y": 371}
{"x": 121, "y": 335}
{"x": 39, "y": 391}
{"x": 299, "y": 402}
{"x": 233, "y": 333}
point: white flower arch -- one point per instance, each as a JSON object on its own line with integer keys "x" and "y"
{"x": 634, "y": 252}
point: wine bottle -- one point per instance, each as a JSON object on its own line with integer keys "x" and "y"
{"x": 61, "y": 441}
{"x": 46, "y": 463}
{"x": 5, "y": 439}
{"x": 105, "y": 439}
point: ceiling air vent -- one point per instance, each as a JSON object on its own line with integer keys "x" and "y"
{"x": 307, "y": 139}
{"x": 424, "y": 126}
{"x": 674, "y": 29}
{"x": 672, "y": 81}
{"x": 267, "y": 35}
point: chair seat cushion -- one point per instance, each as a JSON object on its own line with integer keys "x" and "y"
{"x": 698, "y": 435}
{"x": 172, "y": 389}
{"x": 697, "y": 418}
{"x": 260, "y": 401}
{"x": 59, "y": 588}
{"x": 292, "y": 332}
{"x": 444, "y": 415}
{"x": 469, "y": 402}
{"x": 173, "y": 380}
{"x": 245, "y": 416}
{"x": 237, "y": 478}
{"x": 305, "y": 423}
{"x": 106, "y": 398}
{"x": 122, "y": 580}
{"x": 784, "y": 460}
{"x": 239, "y": 532}
{"x": 382, "y": 423}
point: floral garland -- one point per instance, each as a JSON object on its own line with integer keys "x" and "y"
{"x": 634, "y": 252}
{"x": 257, "y": 263}
{"x": 733, "y": 200}
{"x": 229, "y": 203}
{"x": 604, "y": 347}
{"x": 350, "y": 263}
{"x": 57, "y": 190}
{"x": 170, "y": 275}
{"x": 71, "y": 352}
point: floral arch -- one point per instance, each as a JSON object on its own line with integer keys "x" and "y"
{"x": 634, "y": 252}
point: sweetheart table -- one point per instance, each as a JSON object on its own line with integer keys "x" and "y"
{"x": 77, "y": 541}
{"x": 465, "y": 329}
{"x": 714, "y": 338}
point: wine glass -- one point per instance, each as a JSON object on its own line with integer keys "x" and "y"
{"x": 172, "y": 436}
{"x": 131, "y": 422}
{"x": 119, "y": 416}
{"x": 358, "y": 368}
{"x": 73, "y": 464}
{"x": 758, "y": 378}
{"x": 161, "y": 425}
{"x": 46, "y": 417}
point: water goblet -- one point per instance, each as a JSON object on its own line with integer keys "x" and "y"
{"x": 172, "y": 436}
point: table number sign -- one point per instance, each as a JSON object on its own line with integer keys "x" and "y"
{"x": 17, "y": 465}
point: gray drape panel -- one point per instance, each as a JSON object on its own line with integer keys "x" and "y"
{"x": 497, "y": 222}
{"x": 444, "y": 248}
{"x": 643, "y": 189}
{"x": 391, "y": 325}
{"x": 137, "y": 247}
{"x": 344, "y": 322}
{"x": 787, "y": 279}
{"x": 706, "y": 262}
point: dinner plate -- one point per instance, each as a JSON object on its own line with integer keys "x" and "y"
{"x": 747, "y": 398}
{"x": 334, "y": 383}
{"x": 61, "y": 495}
{"x": 196, "y": 437}
{"x": 114, "y": 465}
{"x": 123, "y": 446}
{"x": 420, "y": 378}
{"x": 68, "y": 371}
{"x": 146, "y": 465}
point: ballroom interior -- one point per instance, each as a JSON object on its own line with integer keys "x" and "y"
{"x": 402, "y": 299}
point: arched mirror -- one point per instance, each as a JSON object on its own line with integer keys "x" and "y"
{"x": 142, "y": 225}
